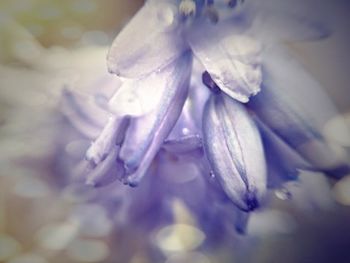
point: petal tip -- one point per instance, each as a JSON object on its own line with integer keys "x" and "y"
{"x": 251, "y": 201}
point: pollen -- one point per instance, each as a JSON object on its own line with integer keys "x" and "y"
{"x": 187, "y": 7}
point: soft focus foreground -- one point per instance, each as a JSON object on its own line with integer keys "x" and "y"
{"x": 45, "y": 216}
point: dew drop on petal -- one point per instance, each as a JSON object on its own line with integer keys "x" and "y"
{"x": 212, "y": 175}
{"x": 185, "y": 131}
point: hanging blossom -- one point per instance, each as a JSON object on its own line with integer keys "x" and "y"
{"x": 205, "y": 93}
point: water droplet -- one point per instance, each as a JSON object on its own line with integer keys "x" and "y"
{"x": 212, "y": 175}
{"x": 185, "y": 131}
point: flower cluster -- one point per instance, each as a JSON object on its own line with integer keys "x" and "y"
{"x": 207, "y": 95}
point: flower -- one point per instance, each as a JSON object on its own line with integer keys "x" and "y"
{"x": 207, "y": 88}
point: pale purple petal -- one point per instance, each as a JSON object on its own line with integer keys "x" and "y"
{"x": 296, "y": 108}
{"x": 235, "y": 151}
{"x": 146, "y": 134}
{"x": 231, "y": 59}
{"x": 185, "y": 144}
{"x": 151, "y": 40}
{"x": 283, "y": 162}
{"x": 107, "y": 171}
{"x": 111, "y": 135}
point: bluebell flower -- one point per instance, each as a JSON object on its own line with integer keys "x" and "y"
{"x": 209, "y": 96}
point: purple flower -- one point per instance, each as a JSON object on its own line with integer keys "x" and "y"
{"x": 209, "y": 97}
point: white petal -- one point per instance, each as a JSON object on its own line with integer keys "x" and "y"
{"x": 151, "y": 40}
{"x": 231, "y": 59}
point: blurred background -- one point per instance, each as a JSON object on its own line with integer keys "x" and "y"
{"x": 40, "y": 40}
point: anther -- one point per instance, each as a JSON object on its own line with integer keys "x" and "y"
{"x": 187, "y": 7}
{"x": 209, "y": 82}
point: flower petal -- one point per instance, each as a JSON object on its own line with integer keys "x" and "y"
{"x": 232, "y": 60}
{"x": 111, "y": 135}
{"x": 138, "y": 97}
{"x": 151, "y": 40}
{"x": 235, "y": 151}
{"x": 146, "y": 134}
{"x": 109, "y": 170}
{"x": 296, "y": 108}
{"x": 184, "y": 144}
{"x": 283, "y": 162}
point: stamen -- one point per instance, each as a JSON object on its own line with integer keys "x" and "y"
{"x": 209, "y": 82}
{"x": 187, "y": 7}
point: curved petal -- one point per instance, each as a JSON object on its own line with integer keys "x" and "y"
{"x": 151, "y": 40}
{"x": 146, "y": 134}
{"x": 184, "y": 144}
{"x": 111, "y": 135}
{"x": 296, "y": 108}
{"x": 231, "y": 59}
{"x": 109, "y": 170}
{"x": 283, "y": 162}
{"x": 235, "y": 151}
